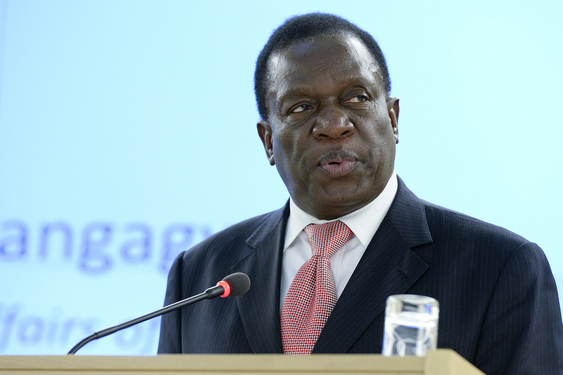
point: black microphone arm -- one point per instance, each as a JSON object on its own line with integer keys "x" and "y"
{"x": 233, "y": 285}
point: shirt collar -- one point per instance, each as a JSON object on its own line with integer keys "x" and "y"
{"x": 363, "y": 222}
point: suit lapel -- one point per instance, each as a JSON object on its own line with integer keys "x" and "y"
{"x": 259, "y": 307}
{"x": 388, "y": 267}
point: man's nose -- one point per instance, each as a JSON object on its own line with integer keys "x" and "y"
{"x": 332, "y": 123}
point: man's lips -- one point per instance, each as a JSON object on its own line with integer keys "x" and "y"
{"x": 337, "y": 166}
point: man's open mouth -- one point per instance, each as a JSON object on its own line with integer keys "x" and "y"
{"x": 338, "y": 167}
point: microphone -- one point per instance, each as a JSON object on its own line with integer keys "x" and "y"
{"x": 234, "y": 285}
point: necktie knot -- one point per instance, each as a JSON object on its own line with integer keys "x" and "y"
{"x": 327, "y": 238}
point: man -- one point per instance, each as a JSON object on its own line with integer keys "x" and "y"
{"x": 330, "y": 127}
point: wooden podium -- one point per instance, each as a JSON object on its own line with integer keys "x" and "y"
{"x": 438, "y": 362}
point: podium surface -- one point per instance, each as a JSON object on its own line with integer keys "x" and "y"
{"x": 438, "y": 362}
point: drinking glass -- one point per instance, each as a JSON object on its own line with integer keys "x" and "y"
{"x": 411, "y": 325}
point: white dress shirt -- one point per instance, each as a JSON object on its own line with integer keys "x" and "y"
{"x": 363, "y": 222}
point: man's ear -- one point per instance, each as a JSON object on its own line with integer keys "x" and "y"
{"x": 393, "y": 110}
{"x": 265, "y": 133}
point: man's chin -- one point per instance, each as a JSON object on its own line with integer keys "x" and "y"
{"x": 335, "y": 206}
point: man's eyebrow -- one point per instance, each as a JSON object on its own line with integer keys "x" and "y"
{"x": 295, "y": 92}
{"x": 298, "y": 91}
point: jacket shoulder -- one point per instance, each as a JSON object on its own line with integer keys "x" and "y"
{"x": 447, "y": 223}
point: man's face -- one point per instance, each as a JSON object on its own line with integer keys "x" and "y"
{"x": 331, "y": 130}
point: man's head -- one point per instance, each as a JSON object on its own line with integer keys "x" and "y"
{"x": 330, "y": 126}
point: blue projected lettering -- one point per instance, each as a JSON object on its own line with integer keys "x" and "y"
{"x": 99, "y": 246}
{"x": 138, "y": 248}
{"x": 18, "y": 326}
{"x": 95, "y": 238}
{"x": 64, "y": 232}
{"x": 13, "y": 243}
{"x": 102, "y": 251}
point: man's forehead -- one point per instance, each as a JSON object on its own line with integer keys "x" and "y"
{"x": 322, "y": 46}
{"x": 315, "y": 55}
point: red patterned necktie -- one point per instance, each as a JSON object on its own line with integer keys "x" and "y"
{"x": 312, "y": 293}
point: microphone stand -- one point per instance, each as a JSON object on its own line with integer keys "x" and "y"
{"x": 209, "y": 293}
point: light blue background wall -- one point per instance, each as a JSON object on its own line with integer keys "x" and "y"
{"x": 127, "y": 133}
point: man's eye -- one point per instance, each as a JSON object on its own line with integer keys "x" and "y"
{"x": 300, "y": 108}
{"x": 357, "y": 99}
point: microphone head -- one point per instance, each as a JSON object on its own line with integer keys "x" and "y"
{"x": 239, "y": 284}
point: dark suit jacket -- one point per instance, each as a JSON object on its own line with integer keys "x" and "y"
{"x": 499, "y": 305}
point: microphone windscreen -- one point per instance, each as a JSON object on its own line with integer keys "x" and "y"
{"x": 239, "y": 283}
